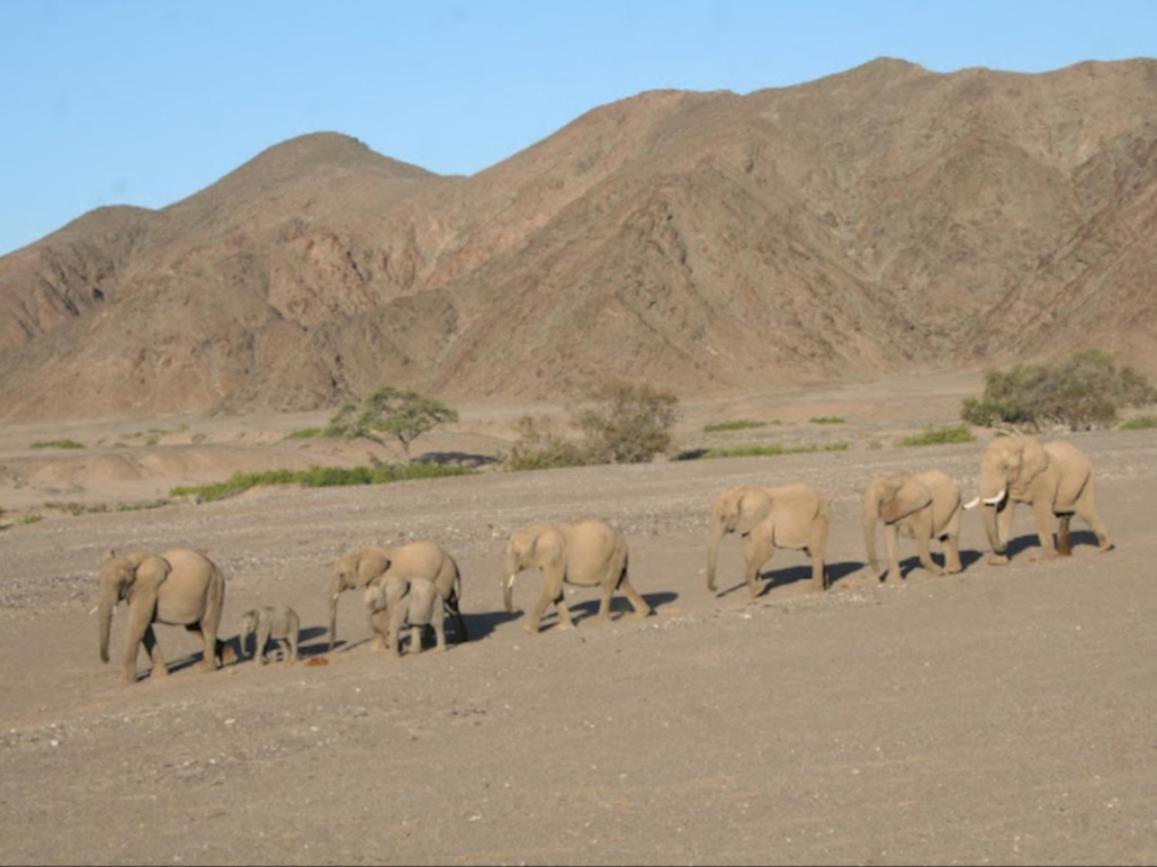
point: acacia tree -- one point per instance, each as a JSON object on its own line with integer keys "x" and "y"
{"x": 404, "y": 415}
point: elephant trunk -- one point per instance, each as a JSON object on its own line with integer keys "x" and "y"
{"x": 335, "y": 588}
{"x": 717, "y": 531}
{"x": 988, "y": 514}
{"x": 508, "y": 592}
{"x": 108, "y": 601}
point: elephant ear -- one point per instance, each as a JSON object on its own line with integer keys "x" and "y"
{"x": 751, "y": 508}
{"x": 150, "y": 571}
{"x": 909, "y": 497}
{"x": 372, "y": 564}
{"x": 1034, "y": 460}
{"x": 548, "y": 547}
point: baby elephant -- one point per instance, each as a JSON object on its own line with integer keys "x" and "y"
{"x": 279, "y": 623}
{"x": 414, "y": 600}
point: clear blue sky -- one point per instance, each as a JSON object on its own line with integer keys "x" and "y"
{"x": 107, "y": 101}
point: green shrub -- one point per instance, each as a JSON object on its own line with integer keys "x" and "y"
{"x": 58, "y": 444}
{"x": 771, "y": 450}
{"x": 625, "y": 423}
{"x": 306, "y": 433}
{"x": 1082, "y": 393}
{"x": 319, "y": 477}
{"x": 737, "y": 424}
{"x": 827, "y": 419}
{"x": 1141, "y": 422}
{"x": 31, "y": 519}
{"x": 935, "y": 436}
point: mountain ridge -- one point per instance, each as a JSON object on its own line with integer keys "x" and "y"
{"x": 883, "y": 217}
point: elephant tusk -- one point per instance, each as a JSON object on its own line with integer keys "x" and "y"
{"x": 992, "y": 501}
{"x": 336, "y": 596}
{"x": 973, "y": 503}
{"x": 510, "y": 580}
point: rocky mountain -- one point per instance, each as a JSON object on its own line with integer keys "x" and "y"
{"x": 709, "y": 242}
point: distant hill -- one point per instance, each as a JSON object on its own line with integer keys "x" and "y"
{"x": 708, "y": 242}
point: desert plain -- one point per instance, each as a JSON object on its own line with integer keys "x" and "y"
{"x": 1001, "y": 715}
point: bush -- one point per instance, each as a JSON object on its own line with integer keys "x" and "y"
{"x": 626, "y": 423}
{"x": 541, "y": 447}
{"x": 1141, "y": 422}
{"x": 319, "y": 477}
{"x": 404, "y": 415}
{"x": 827, "y": 419}
{"x": 306, "y": 433}
{"x": 934, "y": 436}
{"x": 768, "y": 451}
{"x": 1082, "y": 393}
{"x": 737, "y": 424}
{"x": 58, "y": 444}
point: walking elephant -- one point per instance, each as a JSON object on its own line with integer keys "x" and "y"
{"x": 588, "y": 554}
{"x": 923, "y": 506}
{"x": 416, "y": 560}
{"x": 413, "y": 601}
{"x": 179, "y": 587}
{"x": 1055, "y": 479}
{"x": 793, "y": 516}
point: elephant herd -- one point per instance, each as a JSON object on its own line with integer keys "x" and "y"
{"x": 419, "y": 584}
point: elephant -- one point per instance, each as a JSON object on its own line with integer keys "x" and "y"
{"x": 922, "y": 506}
{"x": 358, "y": 569}
{"x": 1056, "y": 478}
{"x": 179, "y": 587}
{"x": 416, "y": 601}
{"x": 790, "y": 516}
{"x": 587, "y": 554}
{"x": 280, "y": 623}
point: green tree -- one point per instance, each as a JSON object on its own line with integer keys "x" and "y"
{"x": 390, "y": 412}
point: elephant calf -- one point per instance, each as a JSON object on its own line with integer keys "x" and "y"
{"x": 415, "y": 601}
{"x": 923, "y": 506}
{"x": 790, "y": 516}
{"x": 279, "y": 623}
{"x": 589, "y": 554}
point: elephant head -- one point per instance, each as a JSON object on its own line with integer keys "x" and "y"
{"x": 354, "y": 570}
{"x": 538, "y": 546}
{"x": 736, "y": 511}
{"x": 134, "y": 577}
{"x": 1009, "y": 464}
{"x": 890, "y": 499}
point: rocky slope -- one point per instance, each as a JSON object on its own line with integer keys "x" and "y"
{"x": 884, "y": 217}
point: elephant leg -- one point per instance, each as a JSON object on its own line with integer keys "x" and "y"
{"x": 140, "y": 622}
{"x": 1087, "y": 509}
{"x": 292, "y": 640}
{"x": 153, "y": 649}
{"x": 397, "y": 618}
{"x": 607, "y": 592}
{"x": 816, "y": 546}
{"x": 437, "y": 621}
{"x": 642, "y": 609}
{"x": 1043, "y": 513}
{"x": 924, "y": 544}
{"x": 1064, "y": 541}
{"x": 263, "y": 644}
{"x": 952, "y": 544}
{"x": 380, "y": 627}
{"x": 757, "y": 550}
{"x": 415, "y": 640}
{"x": 890, "y": 544}
{"x": 459, "y": 622}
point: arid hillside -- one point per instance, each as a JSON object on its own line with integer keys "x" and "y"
{"x": 710, "y": 242}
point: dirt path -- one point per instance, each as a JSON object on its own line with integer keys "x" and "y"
{"x": 1001, "y": 715}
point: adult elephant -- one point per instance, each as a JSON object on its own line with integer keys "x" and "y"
{"x": 179, "y": 587}
{"x": 414, "y": 561}
{"x": 794, "y": 516}
{"x": 1055, "y": 479}
{"x": 923, "y": 506}
{"x": 588, "y": 554}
